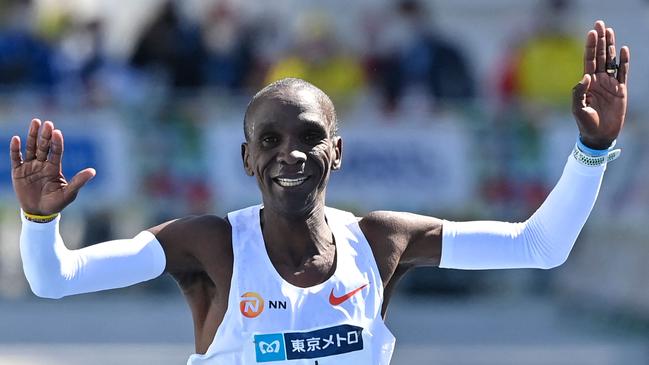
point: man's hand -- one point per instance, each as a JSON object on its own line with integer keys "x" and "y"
{"x": 600, "y": 98}
{"x": 38, "y": 180}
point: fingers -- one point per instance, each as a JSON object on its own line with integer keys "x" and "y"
{"x": 32, "y": 136}
{"x": 14, "y": 152}
{"x": 623, "y": 68}
{"x": 56, "y": 147}
{"x": 48, "y": 144}
{"x": 611, "y": 61}
{"x": 600, "y": 56}
{"x": 590, "y": 64}
{"x": 77, "y": 182}
{"x": 579, "y": 94}
{"x": 43, "y": 147}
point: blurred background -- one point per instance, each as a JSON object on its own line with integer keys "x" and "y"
{"x": 457, "y": 109}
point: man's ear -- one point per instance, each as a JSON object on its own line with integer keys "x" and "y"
{"x": 338, "y": 153}
{"x": 245, "y": 156}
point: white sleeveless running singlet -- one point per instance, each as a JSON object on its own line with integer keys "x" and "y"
{"x": 271, "y": 321}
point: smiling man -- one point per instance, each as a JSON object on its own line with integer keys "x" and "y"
{"x": 293, "y": 281}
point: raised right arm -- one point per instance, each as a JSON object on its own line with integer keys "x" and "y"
{"x": 54, "y": 271}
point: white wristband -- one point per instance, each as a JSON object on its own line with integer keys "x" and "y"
{"x": 589, "y": 160}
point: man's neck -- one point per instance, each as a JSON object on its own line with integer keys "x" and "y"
{"x": 292, "y": 240}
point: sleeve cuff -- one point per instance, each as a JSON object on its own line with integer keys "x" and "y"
{"x": 158, "y": 257}
{"x": 587, "y": 170}
{"x": 39, "y": 226}
{"x": 448, "y": 237}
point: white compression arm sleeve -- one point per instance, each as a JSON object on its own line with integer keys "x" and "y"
{"x": 543, "y": 241}
{"x": 53, "y": 271}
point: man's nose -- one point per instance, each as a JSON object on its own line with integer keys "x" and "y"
{"x": 291, "y": 156}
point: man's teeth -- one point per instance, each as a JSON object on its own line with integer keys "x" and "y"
{"x": 290, "y": 182}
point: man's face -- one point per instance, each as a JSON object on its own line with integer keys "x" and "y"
{"x": 291, "y": 151}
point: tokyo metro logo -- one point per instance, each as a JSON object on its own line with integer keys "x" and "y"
{"x": 251, "y": 305}
{"x": 267, "y": 348}
{"x": 316, "y": 344}
{"x": 270, "y": 347}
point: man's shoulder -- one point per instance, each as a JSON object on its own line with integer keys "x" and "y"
{"x": 195, "y": 243}
{"x": 194, "y": 229}
{"x": 381, "y": 220}
{"x": 395, "y": 225}
{"x": 206, "y": 224}
{"x": 379, "y": 225}
{"x": 387, "y": 235}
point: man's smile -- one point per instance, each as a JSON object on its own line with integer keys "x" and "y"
{"x": 290, "y": 182}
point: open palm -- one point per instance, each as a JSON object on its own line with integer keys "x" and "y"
{"x": 38, "y": 180}
{"x": 600, "y": 98}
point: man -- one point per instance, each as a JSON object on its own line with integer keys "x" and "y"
{"x": 292, "y": 281}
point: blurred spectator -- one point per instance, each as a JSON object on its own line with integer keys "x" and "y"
{"x": 82, "y": 49}
{"x": 413, "y": 56}
{"x": 229, "y": 46}
{"x": 82, "y": 60}
{"x": 320, "y": 59}
{"x": 544, "y": 67}
{"x": 172, "y": 46}
{"x": 25, "y": 59}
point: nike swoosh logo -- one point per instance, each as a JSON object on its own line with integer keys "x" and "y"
{"x": 334, "y": 300}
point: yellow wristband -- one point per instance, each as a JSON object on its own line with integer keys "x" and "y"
{"x": 40, "y": 218}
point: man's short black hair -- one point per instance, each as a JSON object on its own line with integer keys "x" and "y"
{"x": 284, "y": 87}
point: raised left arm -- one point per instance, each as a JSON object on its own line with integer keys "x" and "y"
{"x": 546, "y": 238}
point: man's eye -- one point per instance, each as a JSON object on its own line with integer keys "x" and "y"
{"x": 312, "y": 137}
{"x": 269, "y": 140}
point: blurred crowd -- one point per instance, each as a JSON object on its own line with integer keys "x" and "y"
{"x": 400, "y": 53}
{"x": 236, "y": 54}
{"x": 398, "y": 57}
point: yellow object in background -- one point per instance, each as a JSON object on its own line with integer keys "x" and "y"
{"x": 548, "y": 68}
{"x": 338, "y": 76}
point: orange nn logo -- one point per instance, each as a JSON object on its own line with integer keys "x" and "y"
{"x": 251, "y": 305}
